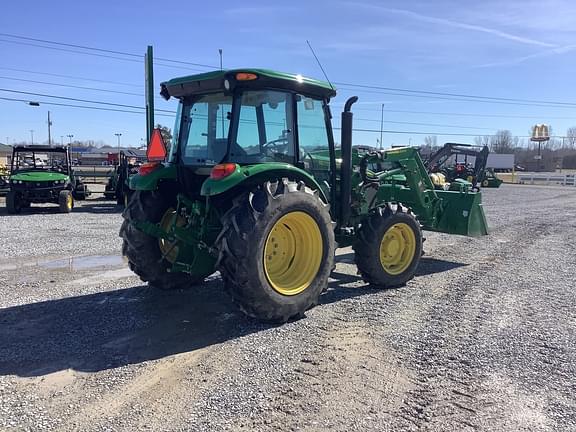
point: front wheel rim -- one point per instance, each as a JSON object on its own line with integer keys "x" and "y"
{"x": 397, "y": 248}
{"x": 293, "y": 253}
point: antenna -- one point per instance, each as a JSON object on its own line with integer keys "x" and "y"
{"x": 320, "y": 64}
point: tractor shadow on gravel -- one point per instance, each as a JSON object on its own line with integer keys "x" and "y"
{"x": 338, "y": 289}
{"x": 111, "y": 329}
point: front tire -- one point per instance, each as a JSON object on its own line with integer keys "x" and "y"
{"x": 65, "y": 201}
{"x": 143, "y": 251}
{"x": 13, "y": 203}
{"x": 276, "y": 251}
{"x": 389, "y": 246}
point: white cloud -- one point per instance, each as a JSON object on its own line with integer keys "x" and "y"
{"x": 458, "y": 24}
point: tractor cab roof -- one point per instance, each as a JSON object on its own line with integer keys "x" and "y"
{"x": 228, "y": 80}
{"x": 36, "y": 148}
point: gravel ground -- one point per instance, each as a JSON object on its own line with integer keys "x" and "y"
{"x": 482, "y": 339}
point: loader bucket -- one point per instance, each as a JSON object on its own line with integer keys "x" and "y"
{"x": 462, "y": 214}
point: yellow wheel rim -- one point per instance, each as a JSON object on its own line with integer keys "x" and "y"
{"x": 293, "y": 253}
{"x": 397, "y": 248}
{"x": 69, "y": 202}
{"x": 168, "y": 248}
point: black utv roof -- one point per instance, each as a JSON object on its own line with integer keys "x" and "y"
{"x": 38, "y": 147}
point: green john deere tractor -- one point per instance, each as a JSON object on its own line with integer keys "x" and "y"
{"x": 447, "y": 172}
{"x": 256, "y": 187}
{"x": 43, "y": 174}
{"x": 117, "y": 187}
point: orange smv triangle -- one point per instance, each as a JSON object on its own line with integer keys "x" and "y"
{"x": 156, "y": 150}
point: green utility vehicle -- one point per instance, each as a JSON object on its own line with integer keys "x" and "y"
{"x": 42, "y": 174}
{"x": 490, "y": 179}
{"x": 4, "y": 183}
{"x": 117, "y": 187}
{"x": 256, "y": 187}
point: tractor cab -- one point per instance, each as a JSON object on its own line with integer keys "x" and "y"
{"x": 251, "y": 117}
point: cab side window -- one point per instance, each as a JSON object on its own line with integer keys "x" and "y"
{"x": 312, "y": 134}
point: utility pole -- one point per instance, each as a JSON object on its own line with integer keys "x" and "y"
{"x": 70, "y": 138}
{"x": 49, "y": 124}
{"x": 32, "y": 136}
{"x": 118, "y": 135}
{"x": 381, "y": 125}
{"x": 61, "y": 140}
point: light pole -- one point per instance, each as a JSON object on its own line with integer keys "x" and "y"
{"x": 118, "y": 135}
{"x": 70, "y": 138}
{"x": 49, "y": 124}
{"x": 32, "y": 136}
{"x": 381, "y": 125}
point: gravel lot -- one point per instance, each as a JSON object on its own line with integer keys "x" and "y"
{"x": 482, "y": 339}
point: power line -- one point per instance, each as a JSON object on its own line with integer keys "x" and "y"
{"x": 105, "y": 50}
{"x": 78, "y": 87}
{"x": 424, "y": 96}
{"x": 459, "y": 114}
{"x": 421, "y": 133}
{"x": 82, "y": 106}
{"x": 365, "y": 87}
{"x": 426, "y": 124}
{"x": 81, "y": 100}
{"x": 168, "y": 115}
{"x": 71, "y": 86}
{"x": 464, "y": 114}
{"x": 98, "y": 55}
{"x": 71, "y": 51}
{"x": 459, "y": 95}
{"x": 71, "y": 77}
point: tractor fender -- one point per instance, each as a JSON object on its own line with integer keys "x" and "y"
{"x": 149, "y": 182}
{"x": 249, "y": 175}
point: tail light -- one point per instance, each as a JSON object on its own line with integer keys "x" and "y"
{"x": 147, "y": 168}
{"x": 221, "y": 171}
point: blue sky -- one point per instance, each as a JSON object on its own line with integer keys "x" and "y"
{"x": 508, "y": 49}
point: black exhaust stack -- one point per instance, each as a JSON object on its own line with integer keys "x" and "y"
{"x": 346, "y": 166}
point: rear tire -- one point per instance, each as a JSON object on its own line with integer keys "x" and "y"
{"x": 65, "y": 201}
{"x": 389, "y": 246}
{"x": 276, "y": 251}
{"x": 13, "y": 202}
{"x": 142, "y": 250}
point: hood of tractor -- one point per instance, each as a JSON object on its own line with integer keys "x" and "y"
{"x": 39, "y": 176}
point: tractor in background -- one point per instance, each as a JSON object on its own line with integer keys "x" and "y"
{"x": 256, "y": 187}
{"x": 447, "y": 171}
{"x": 117, "y": 187}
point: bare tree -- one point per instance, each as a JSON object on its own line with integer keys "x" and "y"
{"x": 571, "y": 137}
{"x": 503, "y": 142}
{"x": 430, "y": 141}
{"x": 482, "y": 140}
